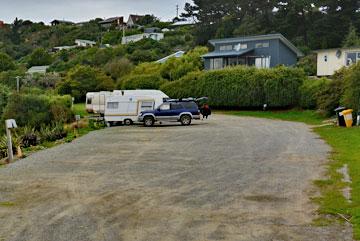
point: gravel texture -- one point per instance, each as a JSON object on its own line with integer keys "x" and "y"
{"x": 228, "y": 178}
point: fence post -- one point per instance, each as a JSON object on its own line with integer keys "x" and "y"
{"x": 10, "y": 124}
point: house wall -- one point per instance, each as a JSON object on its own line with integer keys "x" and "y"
{"x": 286, "y": 56}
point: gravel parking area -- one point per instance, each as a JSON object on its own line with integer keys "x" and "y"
{"x": 228, "y": 178}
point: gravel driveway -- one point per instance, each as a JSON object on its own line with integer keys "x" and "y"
{"x": 228, "y": 178}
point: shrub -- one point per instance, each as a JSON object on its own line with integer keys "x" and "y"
{"x": 37, "y": 110}
{"x": 6, "y": 62}
{"x": 39, "y": 57}
{"x": 352, "y": 85}
{"x": 241, "y": 87}
{"x": 52, "y": 132}
{"x": 144, "y": 81}
{"x": 329, "y": 97}
{"x": 4, "y": 94}
{"x": 310, "y": 90}
{"x": 28, "y": 136}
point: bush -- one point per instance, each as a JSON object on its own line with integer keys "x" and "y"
{"x": 329, "y": 97}
{"x": 241, "y": 87}
{"x": 37, "y": 110}
{"x": 352, "y": 85}
{"x": 310, "y": 90}
{"x": 4, "y": 94}
{"x": 144, "y": 81}
{"x": 39, "y": 57}
{"x": 6, "y": 62}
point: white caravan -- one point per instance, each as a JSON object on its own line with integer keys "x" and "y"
{"x": 126, "y": 108}
{"x": 95, "y": 101}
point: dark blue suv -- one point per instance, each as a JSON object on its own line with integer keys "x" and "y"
{"x": 179, "y": 111}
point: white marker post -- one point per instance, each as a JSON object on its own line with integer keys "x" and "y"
{"x": 10, "y": 124}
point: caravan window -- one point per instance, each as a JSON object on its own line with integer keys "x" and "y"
{"x": 113, "y": 105}
{"x": 89, "y": 101}
{"x": 147, "y": 104}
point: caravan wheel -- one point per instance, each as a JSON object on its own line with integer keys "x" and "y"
{"x": 128, "y": 122}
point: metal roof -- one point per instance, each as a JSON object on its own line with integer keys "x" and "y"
{"x": 38, "y": 69}
{"x": 175, "y": 55}
{"x": 227, "y": 53}
{"x": 259, "y": 37}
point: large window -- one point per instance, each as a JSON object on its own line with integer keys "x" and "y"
{"x": 352, "y": 58}
{"x": 113, "y": 105}
{"x": 262, "y": 62}
{"x": 216, "y": 63}
{"x": 226, "y": 47}
{"x": 262, "y": 45}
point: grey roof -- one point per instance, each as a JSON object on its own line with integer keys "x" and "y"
{"x": 38, "y": 69}
{"x": 227, "y": 53}
{"x": 85, "y": 41}
{"x": 110, "y": 20}
{"x": 259, "y": 37}
{"x": 175, "y": 55}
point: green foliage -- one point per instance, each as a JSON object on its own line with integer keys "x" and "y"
{"x": 329, "y": 97}
{"x": 242, "y": 87}
{"x": 36, "y": 110}
{"x": 118, "y": 68}
{"x": 143, "y": 81}
{"x": 310, "y": 91}
{"x": 6, "y": 62}
{"x": 308, "y": 64}
{"x": 352, "y": 92}
{"x": 83, "y": 79}
{"x": 4, "y": 95}
{"x": 352, "y": 39}
{"x": 39, "y": 57}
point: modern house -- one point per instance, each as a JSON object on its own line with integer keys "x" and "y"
{"x": 178, "y": 54}
{"x": 58, "y": 22}
{"x": 138, "y": 37}
{"x": 331, "y": 60}
{"x": 133, "y": 20}
{"x": 117, "y": 22}
{"x": 262, "y": 51}
{"x": 84, "y": 43}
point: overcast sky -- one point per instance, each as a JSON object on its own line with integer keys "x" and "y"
{"x": 82, "y": 10}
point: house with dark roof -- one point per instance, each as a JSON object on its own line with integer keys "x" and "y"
{"x": 262, "y": 51}
{"x": 58, "y": 22}
{"x": 114, "y": 21}
{"x": 133, "y": 20}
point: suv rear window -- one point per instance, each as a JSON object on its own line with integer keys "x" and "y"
{"x": 176, "y": 106}
{"x": 190, "y": 105}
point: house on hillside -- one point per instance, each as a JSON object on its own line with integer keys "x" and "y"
{"x": 38, "y": 70}
{"x": 331, "y": 60}
{"x": 184, "y": 22}
{"x": 138, "y": 37}
{"x": 133, "y": 20}
{"x": 117, "y": 22}
{"x": 262, "y": 51}
{"x": 58, "y": 22}
{"x": 178, "y": 54}
{"x": 84, "y": 43}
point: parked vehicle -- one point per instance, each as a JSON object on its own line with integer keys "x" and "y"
{"x": 183, "y": 111}
{"x": 126, "y": 108}
{"x": 95, "y": 101}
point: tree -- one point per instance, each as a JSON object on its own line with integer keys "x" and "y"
{"x": 6, "y": 62}
{"x": 352, "y": 39}
{"x": 147, "y": 20}
{"x": 82, "y": 79}
{"x": 39, "y": 57}
{"x": 118, "y": 68}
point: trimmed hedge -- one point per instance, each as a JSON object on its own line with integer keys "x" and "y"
{"x": 242, "y": 87}
{"x": 310, "y": 92}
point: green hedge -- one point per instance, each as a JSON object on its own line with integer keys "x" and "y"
{"x": 142, "y": 81}
{"x": 241, "y": 87}
{"x": 310, "y": 92}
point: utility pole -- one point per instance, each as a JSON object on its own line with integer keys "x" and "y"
{"x": 18, "y": 83}
{"x": 177, "y": 10}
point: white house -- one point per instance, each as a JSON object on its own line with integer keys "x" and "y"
{"x": 84, "y": 43}
{"x": 331, "y": 60}
{"x": 138, "y": 37}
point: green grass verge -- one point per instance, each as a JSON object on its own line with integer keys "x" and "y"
{"x": 306, "y": 116}
{"x": 345, "y": 143}
{"x": 79, "y": 109}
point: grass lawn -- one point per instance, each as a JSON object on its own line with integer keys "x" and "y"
{"x": 79, "y": 109}
{"x": 345, "y": 143}
{"x": 307, "y": 116}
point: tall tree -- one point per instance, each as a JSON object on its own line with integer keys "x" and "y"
{"x": 352, "y": 39}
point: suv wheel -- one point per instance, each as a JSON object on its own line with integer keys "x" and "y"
{"x": 148, "y": 121}
{"x": 185, "y": 120}
{"x": 128, "y": 122}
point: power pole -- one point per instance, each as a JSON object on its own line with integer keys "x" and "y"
{"x": 177, "y": 10}
{"x": 18, "y": 83}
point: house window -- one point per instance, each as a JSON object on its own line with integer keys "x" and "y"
{"x": 113, "y": 105}
{"x": 262, "y": 45}
{"x": 240, "y": 46}
{"x": 351, "y": 58}
{"x": 262, "y": 62}
{"x": 226, "y": 47}
{"x": 216, "y": 63}
{"x": 147, "y": 105}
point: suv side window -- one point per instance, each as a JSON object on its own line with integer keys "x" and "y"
{"x": 165, "y": 106}
{"x": 190, "y": 105}
{"x": 176, "y": 106}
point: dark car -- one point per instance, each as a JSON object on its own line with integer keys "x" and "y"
{"x": 177, "y": 111}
